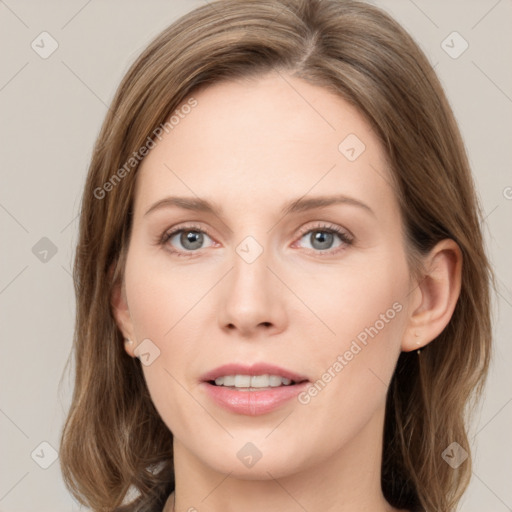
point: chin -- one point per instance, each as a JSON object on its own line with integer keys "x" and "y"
{"x": 259, "y": 460}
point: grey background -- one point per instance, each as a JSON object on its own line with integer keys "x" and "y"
{"x": 51, "y": 111}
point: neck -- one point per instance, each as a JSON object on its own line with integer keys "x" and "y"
{"x": 347, "y": 480}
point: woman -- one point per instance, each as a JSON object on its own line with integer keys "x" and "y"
{"x": 282, "y": 291}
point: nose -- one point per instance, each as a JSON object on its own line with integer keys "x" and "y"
{"x": 252, "y": 299}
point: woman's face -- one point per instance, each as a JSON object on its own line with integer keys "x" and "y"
{"x": 267, "y": 240}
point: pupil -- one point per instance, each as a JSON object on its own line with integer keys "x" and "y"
{"x": 323, "y": 238}
{"x": 191, "y": 239}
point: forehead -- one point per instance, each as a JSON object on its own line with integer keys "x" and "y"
{"x": 254, "y": 141}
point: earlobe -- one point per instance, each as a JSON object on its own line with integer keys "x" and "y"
{"x": 122, "y": 316}
{"x": 129, "y": 347}
{"x": 436, "y": 295}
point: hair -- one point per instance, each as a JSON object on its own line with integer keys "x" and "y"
{"x": 114, "y": 440}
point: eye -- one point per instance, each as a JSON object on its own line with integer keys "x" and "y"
{"x": 326, "y": 238}
{"x": 185, "y": 239}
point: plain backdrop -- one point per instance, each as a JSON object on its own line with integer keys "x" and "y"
{"x": 51, "y": 112}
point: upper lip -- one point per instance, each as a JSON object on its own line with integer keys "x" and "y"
{"x": 253, "y": 369}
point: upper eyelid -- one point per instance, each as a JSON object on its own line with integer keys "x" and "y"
{"x": 305, "y": 229}
{"x": 326, "y": 226}
{"x": 168, "y": 233}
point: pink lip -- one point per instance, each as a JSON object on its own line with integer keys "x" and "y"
{"x": 252, "y": 403}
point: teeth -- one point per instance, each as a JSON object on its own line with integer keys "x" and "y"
{"x": 228, "y": 381}
{"x": 262, "y": 381}
{"x": 254, "y": 381}
{"x": 242, "y": 381}
{"x": 276, "y": 381}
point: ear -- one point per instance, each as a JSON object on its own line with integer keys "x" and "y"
{"x": 435, "y": 296}
{"x": 122, "y": 315}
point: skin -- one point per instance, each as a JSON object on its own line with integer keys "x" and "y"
{"x": 251, "y": 147}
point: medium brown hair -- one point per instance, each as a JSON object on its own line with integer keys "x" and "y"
{"x": 113, "y": 437}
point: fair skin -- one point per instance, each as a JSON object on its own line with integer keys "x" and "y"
{"x": 250, "y": 148}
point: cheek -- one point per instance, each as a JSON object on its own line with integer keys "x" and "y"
{"x": 166, "y": 308}
{"x": 160, "y": 293}
{"x": 363, "y": 300}
{"x": 366, "y": 312}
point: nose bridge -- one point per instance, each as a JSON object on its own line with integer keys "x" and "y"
{"x": 251, "y": 297}
{"x": 250, "y": 249}
{"x": 250, "y": 276}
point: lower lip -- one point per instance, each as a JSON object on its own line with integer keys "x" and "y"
{"x": 252, "y": 403}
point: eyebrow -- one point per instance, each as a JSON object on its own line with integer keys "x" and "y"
{"x": 295, "y": 206}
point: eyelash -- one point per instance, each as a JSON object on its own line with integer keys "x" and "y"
{"x": 345, "y": 238}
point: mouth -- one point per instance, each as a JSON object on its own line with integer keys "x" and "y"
{"x": 252, "y": 390}
{"x": 242, "y": 382}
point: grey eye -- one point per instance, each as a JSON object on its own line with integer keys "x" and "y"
{"x": 321, "y": 239}
{"x": 190, "y": 240}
